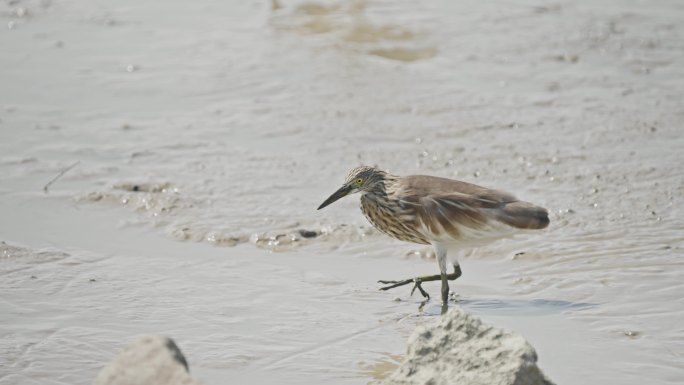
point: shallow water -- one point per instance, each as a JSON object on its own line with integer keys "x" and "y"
{"x": 227, "y": 123}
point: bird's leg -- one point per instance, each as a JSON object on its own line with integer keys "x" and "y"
{"x": 445, "y": 288}
{"x": 426, "y": 278}
{"x": 445, "y": 308}
{"x": 441, "y": 254}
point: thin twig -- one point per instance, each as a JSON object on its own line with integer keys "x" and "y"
{"x": 45, "y": 188}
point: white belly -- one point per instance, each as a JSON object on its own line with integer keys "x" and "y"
{"x": 469, "y": 237}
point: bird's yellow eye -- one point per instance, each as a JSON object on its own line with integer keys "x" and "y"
{"x": 359, "y": 181}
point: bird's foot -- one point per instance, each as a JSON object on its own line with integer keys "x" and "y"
{"x": 416, "y": 285}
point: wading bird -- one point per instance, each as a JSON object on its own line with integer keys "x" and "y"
{"x": 445, "y": 213}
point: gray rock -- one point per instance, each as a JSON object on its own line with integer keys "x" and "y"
{"x": 151, "y": 360}
{"x": 459, "y": 349}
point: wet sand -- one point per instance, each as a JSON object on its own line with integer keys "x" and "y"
{"x": 207, "y": 135}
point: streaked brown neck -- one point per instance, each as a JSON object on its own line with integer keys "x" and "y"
{"x": 384, "y": 187}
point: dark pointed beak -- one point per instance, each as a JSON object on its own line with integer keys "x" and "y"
{"x": 341, "y": 193}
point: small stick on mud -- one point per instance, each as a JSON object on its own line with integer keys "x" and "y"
{"x": 45, "y": 188}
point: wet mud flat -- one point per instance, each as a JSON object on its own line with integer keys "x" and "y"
{"x": 191, "y": 211}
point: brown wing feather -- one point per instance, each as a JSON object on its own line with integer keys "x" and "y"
{"x": 524, "y": 215}
{"x": 446, "y": 212}
{"x": 425, "y": 185}
{"x": 448, "y": 202}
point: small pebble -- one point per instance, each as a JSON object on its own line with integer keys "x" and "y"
{"x": 308, "y": 233}
{"x": 632, "y": 333}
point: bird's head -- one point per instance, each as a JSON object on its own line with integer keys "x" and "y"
{"x": 360, "y": 179}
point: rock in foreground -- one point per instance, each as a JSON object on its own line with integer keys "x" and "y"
{"x": 459, "y": 349}
{"x": 151, "y": 360}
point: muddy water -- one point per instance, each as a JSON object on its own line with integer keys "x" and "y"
{"x": 207, "y": 134}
